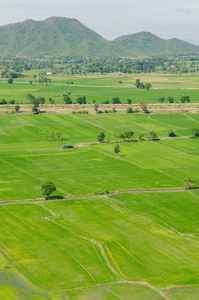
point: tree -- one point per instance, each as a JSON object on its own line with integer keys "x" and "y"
{"x": 17, "y": 108}
{"x": 129, "y": 134}
{"x": 117, "y": 149}
{"x": 30, "y": 96}
{"x": 121, "y": 136}
{"x": 190, "y": 183}
{"x": 96, "y": 106}
{"x": 185, "y": 99}
{"x": 137, "y": 83}
{"x": 161, "y": 99}
{"x": 10, "y": 80}
{"x": 47, "y": 188}
{"x": 35, "y": 109}
{"x": 170, "y": 99}
{"x": 129, "y": 110}
{"x": 140, "y": 135}
{"x": 143, "y": 104}
{"x": 116, "y": 100}
{"x": 195, "y": 132}
{"x": 67, "y": 100}
{"x": 148, "y": 86}
{"x": 128, "y": 101}
{"x": 153, "y": 135}
{"x": 101, "y": 136}
{"x": 3, "y": 101}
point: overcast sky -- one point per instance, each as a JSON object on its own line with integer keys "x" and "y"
{"x": 113, "y": 18}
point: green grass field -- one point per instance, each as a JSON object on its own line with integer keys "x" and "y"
{"x": 129, "y": 244}
{"x": 105, "y": 87}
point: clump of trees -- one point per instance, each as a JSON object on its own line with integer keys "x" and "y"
{"x": 81, "y": 100}
{"x": 116, "y": 100}
{"x": 185, "y": 99}
{"x": 191, "y": 183}
{"x": 126, "y": 135}
{"x": 141, "y": 85}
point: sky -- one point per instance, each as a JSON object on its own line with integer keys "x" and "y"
{"x": 113, "y": 18}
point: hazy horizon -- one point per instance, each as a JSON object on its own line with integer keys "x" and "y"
{"x": 164, "y": 18}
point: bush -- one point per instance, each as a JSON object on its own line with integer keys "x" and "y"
{"x": 3, "y": 101}
{"x": 129, "y": 110}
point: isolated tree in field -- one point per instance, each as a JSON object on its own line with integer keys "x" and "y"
{"x": 117, "y": 149}
{"x": 101, "y": 136}
{"x": 47, "y": 188}
{"x": 153, "y": 135}
{"x": 190, "y": 183}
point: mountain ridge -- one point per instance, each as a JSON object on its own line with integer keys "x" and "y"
{"x": 60, "y": 36}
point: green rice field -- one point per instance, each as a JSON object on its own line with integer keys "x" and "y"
{"x": 105, "y": 87}
{"x": 126, "y": 227}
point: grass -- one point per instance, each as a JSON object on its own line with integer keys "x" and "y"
{"x": 105, "y": 87}
{"x": 51, "y": 243}
{"x": 98, "y": 243}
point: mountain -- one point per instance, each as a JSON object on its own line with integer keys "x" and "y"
{"x": 55, "y": 36}
{"x": 146, "y": 43}
{"x": 58, "y": 36}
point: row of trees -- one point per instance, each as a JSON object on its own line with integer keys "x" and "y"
{"x": 183, "y": 99}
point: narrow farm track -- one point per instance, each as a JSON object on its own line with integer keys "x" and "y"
{"x": 125, "y": 282}
{"x": 92, "y": 196}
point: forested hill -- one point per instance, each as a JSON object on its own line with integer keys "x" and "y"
{"x": 55, "y": 36}
{"x": 58, "y": 36}
{"x": 146, "y": 43}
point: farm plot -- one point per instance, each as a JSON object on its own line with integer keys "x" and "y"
{"x": 105, "y": 91}
{"x": 59, "y": 245}
{"x": 74, "y": 171}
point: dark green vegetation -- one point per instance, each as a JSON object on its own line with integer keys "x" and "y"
{"x": 68, "y": 37}
{"x": 126, "y": 225}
